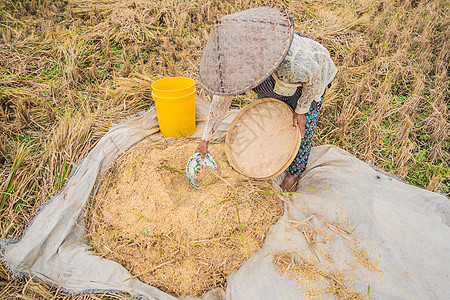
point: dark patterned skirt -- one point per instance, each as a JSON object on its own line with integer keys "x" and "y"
{"x": 300, "y": 161}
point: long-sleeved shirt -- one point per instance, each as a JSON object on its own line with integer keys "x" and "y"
{"x": 307, "y": 63}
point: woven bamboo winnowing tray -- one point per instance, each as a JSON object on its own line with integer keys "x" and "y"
{"x": 261, "y": 142}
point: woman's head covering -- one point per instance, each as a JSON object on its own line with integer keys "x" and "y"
{"x": 244, "y": 49}
{"x": 288, "y": 76}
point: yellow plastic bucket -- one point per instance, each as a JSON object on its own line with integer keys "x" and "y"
{"x": 175, "y": 106}
{"x": 173, "y": 87}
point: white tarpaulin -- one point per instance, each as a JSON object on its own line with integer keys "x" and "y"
{"x": 404, "y": 230}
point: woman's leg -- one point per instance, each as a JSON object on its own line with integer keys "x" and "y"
{"x": 300, "y": 161}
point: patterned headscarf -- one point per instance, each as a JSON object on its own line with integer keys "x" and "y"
{"x": 287, "y": 76}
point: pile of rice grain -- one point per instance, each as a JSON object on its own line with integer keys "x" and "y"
{"x": 184, "y": 241}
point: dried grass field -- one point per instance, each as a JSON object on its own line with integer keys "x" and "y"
{"x": 69, "y": 69}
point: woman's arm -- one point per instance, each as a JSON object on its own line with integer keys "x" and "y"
{"x": 310, "y": 89}
{"x": 219, "y": 107}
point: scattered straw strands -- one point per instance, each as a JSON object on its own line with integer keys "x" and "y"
{"x": 335, "y": 262}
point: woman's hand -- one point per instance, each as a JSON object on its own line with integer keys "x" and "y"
{"x": 300, "y": 121}
{"x": 202, "y": 148}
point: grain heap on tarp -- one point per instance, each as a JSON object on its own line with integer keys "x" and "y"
{"x": 184, "y": 241}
